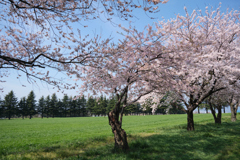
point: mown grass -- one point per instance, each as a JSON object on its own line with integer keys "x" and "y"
{"x": 150, "y": 137}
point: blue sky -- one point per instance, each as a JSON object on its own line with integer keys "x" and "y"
{"x": 168, "y": 10}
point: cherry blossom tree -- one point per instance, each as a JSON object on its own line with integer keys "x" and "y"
{"x": 233, "y": 100}
{"x": 126, "y": 71}
{"x": 234, "y": 104}
{"x": 206, "y": 54}
{"x": 216, "y": 101}
{"x": 39, "y": 35}
{"x": 228, "y": 96}
{"x": 192, "y": 56}
{"x": 152, "y": 99}
{"x": 160, "y": 99}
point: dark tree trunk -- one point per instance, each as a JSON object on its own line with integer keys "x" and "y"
{"x": 190, "y": 125}
{"x": 120, "y": 135}
{"x": 30, "y": 117}
{"x": 206, "y": 110}
{"x": 218, "y": 119}
{"x": 224, "y": 110}
{"x": 233, "y": 113}
{"x": 213, "y": 112}
{"x": 198, "y": 110}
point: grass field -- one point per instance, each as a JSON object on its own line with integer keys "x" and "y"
{"x": 150, "y": 137}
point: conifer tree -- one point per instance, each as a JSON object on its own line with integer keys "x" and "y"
{"x": 82, "y": 103}
{"x": 73, "y": 107}
{"x": 1, "y": 108}
{"x": 111, "y": 103}
{"x": 23, "y": 109}
{"x": 53, "y": 105}
{"x": 10, "y": 104}
{"x": 90, "y": 105}
{"x": 100, "y": 106}
{"x": 65, "y": 105}
{"x": 60, "y": 110}
{"x": 41, "y": 106}
{"x": 47, "y": 103}
{"x": 31, "y": 104}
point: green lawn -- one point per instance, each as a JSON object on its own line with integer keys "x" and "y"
{"x": 150, "y": 137}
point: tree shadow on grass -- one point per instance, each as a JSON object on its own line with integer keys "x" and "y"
{"x": 209, "y": 141}
{"x": 64, "y": 150}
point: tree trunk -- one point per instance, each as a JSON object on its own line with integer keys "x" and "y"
{"x": 120, "y": 135}
{"x": 218, "y": 119}
{"x": 233, "y": 113}
{"x": 224, "y": 110}
{"x": 206, "y": 110}
{"x": 198, "y": 110}
{"x": 190, "y": 126}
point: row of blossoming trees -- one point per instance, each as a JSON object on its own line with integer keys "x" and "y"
{"x": 195, "y": 56}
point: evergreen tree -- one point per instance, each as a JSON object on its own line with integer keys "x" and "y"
{"x": 90, "y": 105}
{"x": 65, "y": 105}
{"x": 105, "y": 105}
{"x": 73, "y": 106}
{"x": 100, "y": 106}
{"x": 60, "y": 108}
{"x": 10, "y": 104}
{"x": 133, "y": 108}
{"x": 47, "y": 105}
{"x": 1, "y": 108}
{"x": 82, "y": 104}
{"x": 176, "y": 108}
{"x": 31, "y": 104}
{"x": 95, "y": 109}
{"x": 70, "y": 106}
{"x": 23, "y": 109}
{"x": 53, "y": 105}
{"x": 162, "y": 109}
{"x": 78, "y": 106}
{"x": 41, "y": 106}
{"x": 111, "y": 103}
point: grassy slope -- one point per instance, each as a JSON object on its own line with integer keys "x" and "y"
{"x": 150, "y": 137}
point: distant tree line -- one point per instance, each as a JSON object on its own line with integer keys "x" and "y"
{"x": 68, "y": 106}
